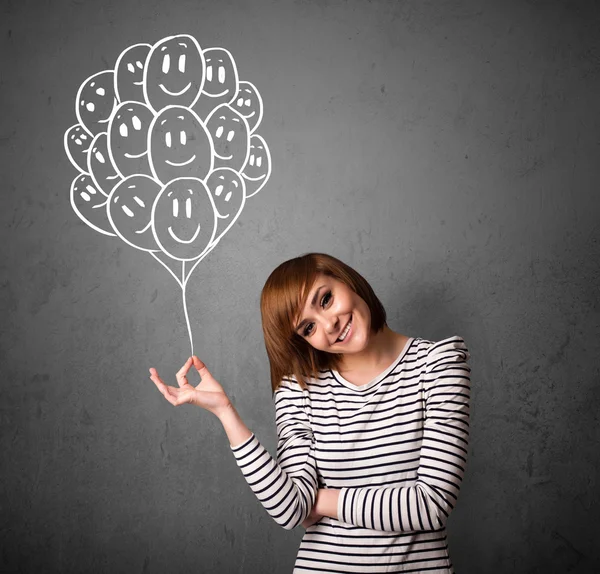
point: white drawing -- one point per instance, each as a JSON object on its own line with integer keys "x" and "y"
{"x": 184, "y": 220}
{"x": 179, "y": 145}
{"x": 231, "y": 136}
{"x": 167, "y": 151}
{"x": 89, "y": 204}
{"x": 130, "y": 211}
{"x": 129, "y": 73}
{"x": 174, "y": 73}
{"x": 128, "y": 138}
{"x": 257, "y": 170}
{"x": 248, "y": 103}
{"x": 96, "y": 101}
{"x": 228, "y": 191}
{"x": 103, "y": 172}
{"x": 77, "y": 144}
{"x": 221, "y": 82}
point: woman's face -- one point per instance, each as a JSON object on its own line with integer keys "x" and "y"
{"x": 335, "y": 319}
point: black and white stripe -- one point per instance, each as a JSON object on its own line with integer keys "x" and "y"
{"x": 396, "y": 448}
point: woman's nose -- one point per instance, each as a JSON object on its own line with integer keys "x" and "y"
{"x": 331, "y": 323}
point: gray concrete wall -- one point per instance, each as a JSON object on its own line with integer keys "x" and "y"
{"x": 447, "y": 150}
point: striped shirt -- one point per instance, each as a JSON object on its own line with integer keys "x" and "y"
{"x": 395, "y": 447}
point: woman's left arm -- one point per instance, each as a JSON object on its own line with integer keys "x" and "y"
{"x": 427, "y": 504}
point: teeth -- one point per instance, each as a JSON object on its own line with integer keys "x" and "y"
{"x": 343, "y": 335}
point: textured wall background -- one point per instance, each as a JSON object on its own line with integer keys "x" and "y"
{"x": 448, "y": 150}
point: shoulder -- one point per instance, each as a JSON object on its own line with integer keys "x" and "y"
{"x": 450, "y": 350}
{"x": 455, "y": 342}
{"x": 289, "y": 387}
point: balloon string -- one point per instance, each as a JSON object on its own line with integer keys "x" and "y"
{"x": 209, "y": 249}
{"x": 167, "y": 268}
{"x": 187, "y": 318}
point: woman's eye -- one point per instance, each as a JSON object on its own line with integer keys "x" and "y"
{"x": 306, "y": 331}
{"x": 326, "y": 296}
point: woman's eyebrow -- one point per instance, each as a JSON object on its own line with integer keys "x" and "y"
{"x": 312, "y": 304}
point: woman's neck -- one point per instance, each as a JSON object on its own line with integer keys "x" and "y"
{"x": 382, "y": 349}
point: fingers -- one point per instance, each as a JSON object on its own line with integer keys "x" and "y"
{"x": 175, "y": 396}
{"x": 165, "y": 390}
{"x": 181, "y": 374}
{"x": 160, "y": 384}
{"x": 200, "y": 367}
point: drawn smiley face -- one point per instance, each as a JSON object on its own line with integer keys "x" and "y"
{"x": 100, "y": 166}
{"x": 179, "y": 145}
{"x": 184, "y": 219}
{"x": 89, "y": 203}
{"x": 258, "y": 168}
{"x": 229, "y": 194}
{"x": 221, "y": 75}
{"x": 128, "y": 138}
{"x": 248, "y": 103}
{"x": 77, "y": 145}
{"x": 129, "y": 211}
{"x": 96, "y": 101}
{"x": 230, "y": 135}
{"x": 220, "y": 82}
{"x": 174, "y": 73}
{"x": 129, "y": 73}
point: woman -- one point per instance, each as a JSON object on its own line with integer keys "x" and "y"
{"x": 372, "y": 425}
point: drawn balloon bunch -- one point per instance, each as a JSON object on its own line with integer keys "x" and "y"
{"x": 167, "y": 150}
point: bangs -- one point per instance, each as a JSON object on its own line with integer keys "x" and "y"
{"x": 293, "y": 295}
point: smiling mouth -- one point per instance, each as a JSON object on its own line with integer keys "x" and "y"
{"x": 348, "y": 326}
{"x": 223, "y": 156}
{"x": 170, "y": 230}
{"x": 175, "y": 164}
{"x": 215, "y": 95}
{"x": 162, "y": 87}
{"x": 140, "y": 83}
{"x": 254, "y": 178}
{"x": 145, "y": 228}
{"x": 135, "y": 156}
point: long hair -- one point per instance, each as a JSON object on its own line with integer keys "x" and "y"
{"x": 284, "y": 296}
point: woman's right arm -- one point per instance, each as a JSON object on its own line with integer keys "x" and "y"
{"x": 287, "y": 488}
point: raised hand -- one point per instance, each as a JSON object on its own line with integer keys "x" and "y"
{"x": 209, "y": 394}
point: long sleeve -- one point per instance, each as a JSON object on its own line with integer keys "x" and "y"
{"x": 427, "y": 504}
{"x": 287, "y": 487}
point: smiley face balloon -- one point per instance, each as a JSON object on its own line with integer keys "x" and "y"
{"x": 128, "y": 138}
{"x": 89, "y": 203}
{"x": 184, "y": 220}
{"x": 248, "y": 103}
{"x": 129, "y": 211}
{"x": 100, "y": 166}
{"x": 258, "y": 168}
{"x": 179, "y": 145}
{"x": 220, "y": 82}
{"x": 174, "y": 73}
{"x": 129, "y": 73}
{"x": 77, "y": 145}
{"x": 229, "y": 194}
{"x": 96, "y": 101}
{"x": 230, "y": 135}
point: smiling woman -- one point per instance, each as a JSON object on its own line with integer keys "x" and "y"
{"x": 373, "y": 425}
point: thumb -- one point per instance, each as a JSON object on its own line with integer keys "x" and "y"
{"x": 201, "y": 367}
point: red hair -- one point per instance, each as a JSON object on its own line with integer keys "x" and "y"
{"x": 284, "y": 296}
